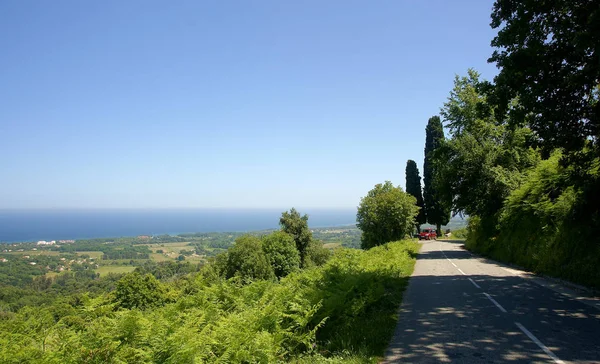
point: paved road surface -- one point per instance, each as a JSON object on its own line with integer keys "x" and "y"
{"x": 465, "y": 309}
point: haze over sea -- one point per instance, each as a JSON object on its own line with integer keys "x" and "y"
{"x": 33, "y": 225}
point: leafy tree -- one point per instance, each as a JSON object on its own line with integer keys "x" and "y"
{"x": 246, "y": 259}
{"x": 292, "y": 223}
{"x": 139, "y": 291}
{"x": 385, "y": 214}
{"x": 548, "y": 56}
{"x": 281, "y": 252}
{"x": 482, "y": 161}
{"x": 437, "y": 210}
{"x": 317, "y": 254}
{"x": 413, "y": 187}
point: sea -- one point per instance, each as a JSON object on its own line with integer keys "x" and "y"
{"x": 35, "y": 225}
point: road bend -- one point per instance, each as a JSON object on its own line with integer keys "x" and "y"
{"x": 466, "y": 309}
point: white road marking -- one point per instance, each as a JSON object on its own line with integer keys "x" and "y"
{"x": 539, "y": 343}
{"x": 475, "y": 284}
{"x": 460, "y": 270}
{"x": 495, "y": 302}
{"x": 445, "y": 256}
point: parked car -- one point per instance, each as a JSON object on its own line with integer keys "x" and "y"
{"x": 428, "y": 234}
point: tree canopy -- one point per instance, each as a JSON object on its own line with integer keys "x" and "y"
{"x": 246, "y": 259}
{"x": 548, "y": 54}
{"x": 437, "y": 210}
{"x": 482, "y": 161}
{"x": 385, "y": 214}
{"x": 281, "y": 252}
{"x": 139, "y": 291}
{"x": 296, "y": 225}
{"x": 413, "y": 187}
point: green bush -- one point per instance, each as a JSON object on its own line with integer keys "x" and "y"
{"x": 546, "y": 226}
{"x": 137, "y": 291}
{"x": 247, "y": 260}
{"x": 317, "y": 254}
{"x": 385, "y": 214}
{"x": 281, "y": 252}
{"x": 344, "y": 310}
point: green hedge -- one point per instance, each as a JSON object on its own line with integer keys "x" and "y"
{"x": 548, "y": 225}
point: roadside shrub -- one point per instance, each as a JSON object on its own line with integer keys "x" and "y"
{"x": 385, "y": 214}
{"x": 546, "y": 226}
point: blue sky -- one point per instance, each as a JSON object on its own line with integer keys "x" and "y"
{"x": 185, "y": 104}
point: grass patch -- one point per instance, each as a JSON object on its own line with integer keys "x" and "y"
{"x": 93, "y": 254}
{"x": 118, "y": 269}
{"x": 158, "y": 257}
{"x": 50, "y": 253}
{"x": 168, "y": 247}
{"x": 332, "y": 245}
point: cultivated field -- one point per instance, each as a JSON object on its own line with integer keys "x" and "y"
{"x": 105, "y": 269}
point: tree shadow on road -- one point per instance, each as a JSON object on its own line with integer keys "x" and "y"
{"x": 449, "y": 319}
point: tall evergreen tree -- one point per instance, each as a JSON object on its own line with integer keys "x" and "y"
{"x": 413, "y": 187}
{"x": 436, "y": 211}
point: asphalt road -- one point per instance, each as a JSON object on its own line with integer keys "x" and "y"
{"x": 465, "y": 309}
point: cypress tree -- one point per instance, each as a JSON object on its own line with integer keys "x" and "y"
{"x": 436, "y": 211}
{"x": 413, "y": 187}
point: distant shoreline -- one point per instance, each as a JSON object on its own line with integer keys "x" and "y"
{"x": 27, "y": 226}
{"x": 350, "y": 225}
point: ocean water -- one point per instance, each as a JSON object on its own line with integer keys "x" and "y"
{"x": 34, "y": 225}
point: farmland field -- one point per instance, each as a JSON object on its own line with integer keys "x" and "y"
{"x": 168, "y": 247}
{"x": 93, "y": 254}
{"x": 105, "y": 269}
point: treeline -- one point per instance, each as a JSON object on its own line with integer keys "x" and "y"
{"x": 521, "y": 157}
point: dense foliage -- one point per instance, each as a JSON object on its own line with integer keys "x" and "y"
{"x": 344, "y": 310}
{"x": 437, "y": 209}
{"x": 281, "y": 253}
{"x": 482, "y": 161}
{"x": 522, "y": 155}
{"x": 549, "y": 58}
{"x": 297, "y": 226}
{"x": 542, "y": 227}
{"x": 413, "y": 188}
{"x": 385, "y": 214}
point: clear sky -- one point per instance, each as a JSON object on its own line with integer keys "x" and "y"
{"x": 261, "y": 103}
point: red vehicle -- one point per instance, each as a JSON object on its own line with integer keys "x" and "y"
{"x": 428, "y": 234}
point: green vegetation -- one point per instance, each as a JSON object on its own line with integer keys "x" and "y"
{"x": 522, "y": 157}
{"x": 386, "y": 214}
{"x": 437, "y": 209}
{"x": 281, "y": 253}
{"x": 115, "y": 269}
{"x": 297, "y": 226}
{"x": 413, "y": 188}
{"x": 339, "y": 310}
{"x": 346, "y": 236}
{"x": 254, "y": 302}
{"x": 247, "y": 260}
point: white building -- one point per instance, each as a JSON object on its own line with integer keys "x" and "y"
{"x": 44, "y": 242}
